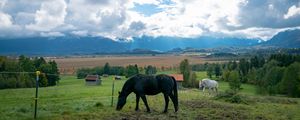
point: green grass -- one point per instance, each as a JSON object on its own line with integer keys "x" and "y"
{"x": 72, "y": 99}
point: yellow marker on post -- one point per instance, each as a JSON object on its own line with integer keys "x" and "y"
{"x": 38, "y": 73}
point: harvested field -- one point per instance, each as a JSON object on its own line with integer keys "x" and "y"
{"x": 71, "y": 64}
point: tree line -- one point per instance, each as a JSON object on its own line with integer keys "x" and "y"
{"x": 20, "y": 73}
{"x": 275, "y": 74}
{"x": 127, "y": 71}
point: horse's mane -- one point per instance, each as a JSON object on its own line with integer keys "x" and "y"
{"x": 130, "y": 82}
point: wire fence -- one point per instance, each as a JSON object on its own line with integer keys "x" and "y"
{"x": 28, "y": 73}
{"x": 49, "y": 98}
{"x": 15, "y": 99}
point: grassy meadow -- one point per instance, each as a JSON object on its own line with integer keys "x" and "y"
{"x": 72, "y": 99}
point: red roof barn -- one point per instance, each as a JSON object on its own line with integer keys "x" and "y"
{"x": 92, "y": 80}
{"x": 178, "y": 78}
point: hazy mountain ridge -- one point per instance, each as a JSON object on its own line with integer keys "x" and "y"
{"x": 69, "y": 45}
{"x": 285, "y": 39}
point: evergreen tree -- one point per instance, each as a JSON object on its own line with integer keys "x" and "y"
{"x": 38, "y": 62}
{"x": 150, "y": 70}
{"x": 210, "y": 71}
{"x": 218, "y": 70}
{"x": 243, "y": 69}
{"x": 291, "y": 82}
{"x": 26, "y": 64}
{"x": 193, "y": 82}
{"x": 186, "y": 71}
{"x": 225, "y": 75}
{"x": 106, "y": 69}
{"x": 55, "y": 73}
{"x": 254, "y": 63}
{"x": 234, "y": 81}
{"x": 43, "y": 81}
{"x": 131, "y": 70}
{"x": 252, "y": 76}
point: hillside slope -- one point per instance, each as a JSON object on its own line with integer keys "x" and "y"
{"x": 285, "y": 39}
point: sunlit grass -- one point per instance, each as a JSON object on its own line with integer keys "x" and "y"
{"x": 72, "y": 99}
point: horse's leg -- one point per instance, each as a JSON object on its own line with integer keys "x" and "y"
{"x": 166, "y": 96}
{"x": 137, "y": 102}
{"x": 145, "y": 102}
{"x": 172, "y": 96}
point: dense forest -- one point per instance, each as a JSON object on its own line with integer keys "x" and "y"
{"x": 275, "y": 74}
{"x": 20, "y": 73}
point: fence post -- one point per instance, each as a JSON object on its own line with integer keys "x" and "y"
{"x": 36, "y": 92}
{"x": 112, "y": 94}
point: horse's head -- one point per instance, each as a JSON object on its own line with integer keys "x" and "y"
{"x": 201, "y": 85}
{"x": 121, "y": 100}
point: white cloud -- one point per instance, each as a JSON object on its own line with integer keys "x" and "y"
{"x": 5, "y": 20}
{"x": 117, "y": 18}
{"x": 80, "y": 33}
{"x": 51, "y": 15}
{"x": 191, "y": 18}
{"x": 2, "y": 3}
{"x": 254, "y": 32}
{"x": 52, "y": 34}
{"x": 24, "y": 18}
{"x": 271, "y": 6}
{"x": 293, "y": 11}
{"x": 105, "y": 17}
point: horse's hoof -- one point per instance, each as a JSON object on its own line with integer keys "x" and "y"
{"x": 137, "y": 110}
{"x": 148, "y": 111}
{"x": 165, "y": 111}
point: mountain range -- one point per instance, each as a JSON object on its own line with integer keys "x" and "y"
{"x": 73, "y": 45}
{"x": 285, "y": 39}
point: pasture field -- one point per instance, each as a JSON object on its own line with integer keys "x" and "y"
{"x": 71, "y": 99}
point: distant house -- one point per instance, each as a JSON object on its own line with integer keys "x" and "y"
{"x": 178, "y": 78}
{"x": 93, "y": 80}
{"x": 118, "y": 77}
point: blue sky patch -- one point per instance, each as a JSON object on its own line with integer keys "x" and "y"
{"x": 147, "y": 9}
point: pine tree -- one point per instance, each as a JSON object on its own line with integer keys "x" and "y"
{"x": 290, "y": 82}
{"x": 193, "y": 78}
{"x": 217, "y": 70}
{"x": 106, "y": 69}
{"x": 234, "y": 81}
{"x": 209, "y": 71}
{"x": 186, "y": 71}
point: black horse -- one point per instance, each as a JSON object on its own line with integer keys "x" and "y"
{"x": 143, "y": 85}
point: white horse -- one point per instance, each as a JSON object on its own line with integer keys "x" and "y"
{"x": 208, "y": 83}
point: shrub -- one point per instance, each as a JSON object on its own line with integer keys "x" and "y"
{"x": 232, "y": 97}
{"x": 99, "y": 104}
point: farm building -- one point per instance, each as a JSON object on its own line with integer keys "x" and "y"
{"x": 178, "y": 78}
{"x": 93, "y": 80}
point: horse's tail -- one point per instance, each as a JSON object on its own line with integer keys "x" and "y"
{"x": 175, "y": 95}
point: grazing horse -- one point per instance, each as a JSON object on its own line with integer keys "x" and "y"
{"x": 208, "y": 83}
{"x": 143, "y": 85}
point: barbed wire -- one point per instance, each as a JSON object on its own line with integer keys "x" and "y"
{"x": 5, "y": 72}
{"x": 57, "y": 99}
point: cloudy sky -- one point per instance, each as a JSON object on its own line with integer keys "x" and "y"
{"x": 133, "y": 18}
